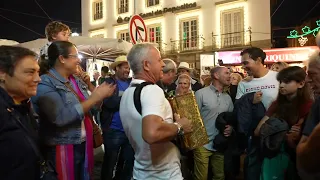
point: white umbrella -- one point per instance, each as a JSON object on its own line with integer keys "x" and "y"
{"x": 7, "y": 42}
{"x": 96, "y": 48}
{"x": 108, "y": 50}
{"x": 34, "y": 45}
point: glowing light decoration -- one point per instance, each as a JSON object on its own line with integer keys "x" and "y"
{"x": 302, "y": 41}
{"x": 230, "y": 6}
{"x": 305, "y": 31}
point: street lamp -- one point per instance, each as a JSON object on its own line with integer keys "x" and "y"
{"x": 74, "y": 34}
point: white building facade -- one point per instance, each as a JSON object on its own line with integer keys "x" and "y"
{"x": 184, "y": 29}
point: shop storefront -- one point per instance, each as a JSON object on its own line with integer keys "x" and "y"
{"x": 293, "y": 56}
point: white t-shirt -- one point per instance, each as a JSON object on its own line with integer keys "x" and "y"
{"x": 268, "y": 85}
{"x": 152, "y": 162}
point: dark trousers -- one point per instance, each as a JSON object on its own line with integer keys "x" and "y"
{"x": 114, "y": 141}
{"x": 79, "y": 151}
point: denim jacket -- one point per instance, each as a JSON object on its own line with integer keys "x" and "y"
{"x": 59, "y": 110}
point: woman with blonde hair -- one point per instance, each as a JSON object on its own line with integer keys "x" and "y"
{"x": 184, "y": 85}
{"x": 278, "y": 66}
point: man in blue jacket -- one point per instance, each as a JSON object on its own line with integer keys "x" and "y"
{"x": 114, "y": 136}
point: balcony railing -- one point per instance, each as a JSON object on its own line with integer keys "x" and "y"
{"x": 190, "y": 44}
{"x": 97, "y": 16}
{"x": 123, "y": 9}
{"x": 231, "y": 40}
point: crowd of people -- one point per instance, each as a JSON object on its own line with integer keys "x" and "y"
{"x": 50, "y": 109}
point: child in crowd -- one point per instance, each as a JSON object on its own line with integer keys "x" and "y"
{"x": 292, "y": 105}
{"x": 55, "y": 31}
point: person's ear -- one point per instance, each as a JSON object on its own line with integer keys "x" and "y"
{"x": 61, "y": 59}
{"x": 301, "y": 84}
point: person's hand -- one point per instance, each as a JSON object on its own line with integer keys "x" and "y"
{"x": 227, "y": 131}
{"x": 295, "y": 129}
{"x": 85, "y": 77}
{"x": 179, "y": 91}
{"x": 96, "y": 76}
{"x": 257, "y": 97}
{"x": 103, "y": 91}
{"x": 184, "y": 122}
{"x": 257, "y": 131}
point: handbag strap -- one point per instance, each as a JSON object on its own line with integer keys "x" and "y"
{"x": 67, "y": 84}
{"x": 32, "y": 143}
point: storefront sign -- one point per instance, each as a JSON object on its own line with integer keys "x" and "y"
{"x": 273, "y": 55}
{"x": 185, "y": 6}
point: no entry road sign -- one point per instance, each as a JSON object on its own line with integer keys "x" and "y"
{"x": 137, "y": 29}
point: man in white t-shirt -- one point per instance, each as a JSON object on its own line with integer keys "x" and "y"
{"x": 150, "y": 133}
{"x": 264, "y": 81}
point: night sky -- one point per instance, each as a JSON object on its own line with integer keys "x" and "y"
{"x": 69, "y": 11}
{"x": 290, "y": 13}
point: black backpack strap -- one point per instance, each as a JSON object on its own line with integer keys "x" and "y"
{"x": 137, "y": 95}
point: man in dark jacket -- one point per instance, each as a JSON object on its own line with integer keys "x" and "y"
{"x": 113, "y": 133}
{"x": 248, "y": 116}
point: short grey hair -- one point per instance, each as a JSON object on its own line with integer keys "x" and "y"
{"x": 170, "y": 65}
{"x": 216, "y": 70}
{"x": 137, "y": 54}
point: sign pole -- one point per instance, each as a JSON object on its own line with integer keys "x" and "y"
{"x": 134, "y": 7}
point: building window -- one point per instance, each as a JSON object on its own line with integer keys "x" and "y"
{"x": 154, "y": 33}
{"x": 232, "y": 27}
{"x": 152, "y": 2}
{"x": 189, "y": 33}
{"x": 123, "y": 6}
{"x": 124, "y": 35}
{"x": 97, "y": 10}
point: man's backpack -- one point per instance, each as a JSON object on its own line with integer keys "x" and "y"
{"x": 137, "y": 95}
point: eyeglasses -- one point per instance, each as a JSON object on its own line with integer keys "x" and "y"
{"x": 74, "y": 56}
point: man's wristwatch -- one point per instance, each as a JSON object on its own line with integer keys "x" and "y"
{"x": 180, "y": 129}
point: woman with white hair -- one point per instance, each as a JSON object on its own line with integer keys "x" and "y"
{"x": 184, "y": 84}
{"x": 184, "y": 68}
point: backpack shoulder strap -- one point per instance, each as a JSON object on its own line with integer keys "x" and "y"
{"x": 137, "y": 95}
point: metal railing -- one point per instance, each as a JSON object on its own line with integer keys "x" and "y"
{"x": 123, "y": 9}
{"x": 98, "y": 16}
{"x": 230, "y": 40}
{"x": 189, "y": 44}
